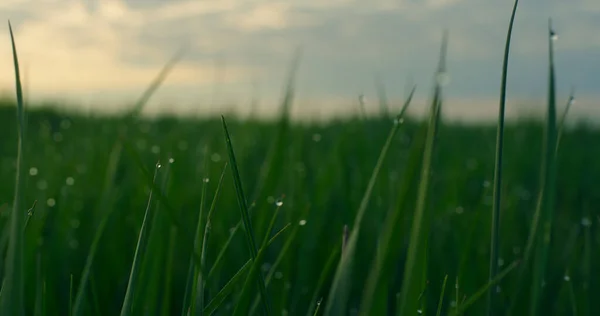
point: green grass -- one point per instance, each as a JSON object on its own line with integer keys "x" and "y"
{"x": 367, "y": 215}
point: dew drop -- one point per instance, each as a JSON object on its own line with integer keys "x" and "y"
{"x": 33, "y": 171}
{"x": 571, "y": 101}
{"x": 51, "y": 202}
{"x": 155, "y": 149}
{"x": 553, "y": 36}
{"x": 586, "y": 222}
{"x": 158, "y": 165}
{"x": 302, "y": 222}
{"x": 500, "y": 262}
{"x": 419, "y": 311}
{"x": 206, "y": 180}
{"x": 215, "y": 157}
{"x": 567, "y": 278}
{"x": 399, "y": 121}
{"x": 279, "y": 203}
{"x": 486, "y": 184}
{"x": 171, "y": 160}
{"x": 70, "y": 181}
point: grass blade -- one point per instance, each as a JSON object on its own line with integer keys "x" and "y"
{"x": 384, "y": 257}
{"x": 416, "y": 257}
{"x": 441, "y": 301}
{"x": 214, "y": 304}
{"x": 548, "y": 183}
{"x": 495, "y": 231}
{"x": 338, "y": 295}
{"x": 11, "y": 300}
{"x": 245, "y": 216}
{"x": 464, "y": 305}
{"x": 135, "y": 266}
{"x": 243, "y": 304}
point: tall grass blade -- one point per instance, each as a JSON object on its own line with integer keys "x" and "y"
{"x": 563, "y": 118}
{"x": 245, "y": 216}
{"x": 441, "y": 301}
{"x": 201, "y": 275}
{"x": 416, "y": 263}
{"x": 495, "y": 231}
{"x": 466, "y": 304}
{"x": 135, "y": 266}
{"x": 216, "y": 302}
{"x": 11, "y": 300}
{"x": 547, "y": 198}
{"x": 325, "y": 273}
{"x": 385, "y": 256}
{"x": 243, "y": 304}
{"x": 338, "y": 294}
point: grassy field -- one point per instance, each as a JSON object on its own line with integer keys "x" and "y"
{"x": 385, "y": 215}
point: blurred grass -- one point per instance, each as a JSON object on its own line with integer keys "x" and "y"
{"x": 325, "y": 174}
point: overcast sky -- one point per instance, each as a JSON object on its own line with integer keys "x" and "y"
{"x": 105, "y": 52}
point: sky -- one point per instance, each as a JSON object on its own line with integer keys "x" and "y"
{"x": 100, "y": 55}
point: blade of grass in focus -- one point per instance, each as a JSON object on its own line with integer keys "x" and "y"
{"x": 386, "y": 254}
{"x": 416, "y": 262}
{"x": 243, "y": 304}
{"x": 201, "y": 275}
{"x": 495, "y": 231}
{"x": 216, "y": 302}
{"x": 11, "y": 298}
{"x": 548, "y": 192}
{"x": 141, "y": 245}
{"x": 107, "y": 195}
{"x": 563, "y": 118}
{"x": 441, "y": 300}
{"x": 339, "y": 291}
{"x": 245, "y": 216}
{"x": 464, "y": 305}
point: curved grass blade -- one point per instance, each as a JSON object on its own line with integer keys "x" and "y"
{"x": 141, "y": 245}
{"x": 338, "y": 295}
{"x": 201, "y": 275}
{"x": 464, "y": 305}
{"x": 11, "y": 300}
{"x": 245, "y": 216}
{"x": 214, "y": 304}
{"x": 416, "y": 261}
{"x": 384, "y": 256}
{"x": 563, "y": 118}
{"x": 243, "y": 304}
{"x": 441, "y": 301}
{"x": 327, "y": 269}
{"x": 495, "y": 231}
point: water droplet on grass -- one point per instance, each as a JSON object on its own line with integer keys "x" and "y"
{"x": 553, "y": 36}
{"x": 51, "y": 202}
{"x": 206, "y": 180}
{"x": 171, "y": 160}
{"x": 302, "y": 222}
{"x": 33, "y": 171}
{"x": 442, "y": 78}
{"x": 567, "y": 278}
{"x": 586, "y": 222}
{"x": 419, "y": 311}
{"x": 155, "y": 149}
{"x": 279, "y": 203}
{"x": 158, "y": 165}
{"x": 70, "y": 181}
{"x": 399, "y": 121}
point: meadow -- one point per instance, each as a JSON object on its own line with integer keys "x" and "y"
{"x": 379, "y": 215}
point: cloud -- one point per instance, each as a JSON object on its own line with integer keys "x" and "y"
{"x": 115, "y": 47}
